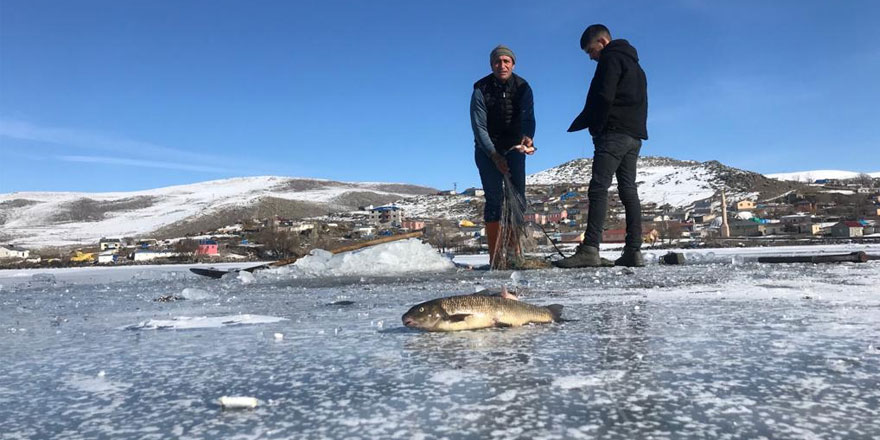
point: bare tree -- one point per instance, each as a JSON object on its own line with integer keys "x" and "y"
{"x": 864, "y": 180}
{"x": 280, "y": 242}
{"x": 186, "y": 246}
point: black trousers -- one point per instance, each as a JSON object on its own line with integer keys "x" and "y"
{"x": 615, "y": 154}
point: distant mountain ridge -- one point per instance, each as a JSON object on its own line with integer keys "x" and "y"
{"x": 39, "y": 219}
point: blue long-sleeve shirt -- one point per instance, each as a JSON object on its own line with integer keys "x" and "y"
{"x": 480, "y": 125}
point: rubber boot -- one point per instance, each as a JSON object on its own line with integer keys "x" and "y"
{"x": 584, "y": 256}
{"x": 493, "y": 230}
{"x": 630, "y": 258}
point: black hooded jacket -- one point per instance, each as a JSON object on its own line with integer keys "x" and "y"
{"x": 618, "y": 98}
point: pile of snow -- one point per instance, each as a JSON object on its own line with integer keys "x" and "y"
{"x": 393, "y": 258}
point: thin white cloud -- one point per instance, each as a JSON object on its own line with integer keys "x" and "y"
{"x": 143, "y": 163}
{"x": 89, "y": 140}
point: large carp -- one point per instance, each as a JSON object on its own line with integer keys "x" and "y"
{"x": 470, "y": 312}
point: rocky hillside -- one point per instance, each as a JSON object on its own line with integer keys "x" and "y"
{"x": 39, "y": 219}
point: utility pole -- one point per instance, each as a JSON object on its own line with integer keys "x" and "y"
{"x": 725, "y": 228}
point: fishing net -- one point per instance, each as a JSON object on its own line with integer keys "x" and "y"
{"x": 514, "y": 236}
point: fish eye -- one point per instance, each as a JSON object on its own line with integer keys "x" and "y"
{"x": 421, "y": 309}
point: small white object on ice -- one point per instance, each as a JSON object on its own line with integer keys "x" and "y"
{"x": 101, "y": 373}
{"x": 246, "y": 277}
{"x": 230, "y": 402}
{"x": 279, "y": 336}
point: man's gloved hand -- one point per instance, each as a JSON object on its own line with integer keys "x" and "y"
{"x": 500, "y": 163}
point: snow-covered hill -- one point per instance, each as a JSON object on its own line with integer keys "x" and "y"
{"x": 678, "y": 183}
{"x": 40, "y": 219}
{"x": 812, "y": 176}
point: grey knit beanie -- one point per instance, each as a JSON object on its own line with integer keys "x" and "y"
{"x": 501, "y": 50}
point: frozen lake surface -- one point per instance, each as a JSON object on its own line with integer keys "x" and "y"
{"x": 726, "y": 348}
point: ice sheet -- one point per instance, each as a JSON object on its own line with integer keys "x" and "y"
{"x": 710, "y": 350}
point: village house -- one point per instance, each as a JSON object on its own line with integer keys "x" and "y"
{"x": 364, "y": 231}
{"x": 776, "y": 228}
{"x": 386, "y": 215}
{"x": 649, "y": 235}
{"x": 147, "y": 243}
{"x": 413, "y": 225}
{"x": 147, "y": 255}
{"x": 13, "y": 252}
{"x": 847, "y": 229}
{"x": 107, "y": 257}
{"x": 745, "y": 205}
{"x": 703, "y": 218}
{"x": 474, "y": 192}
{"x": 747, "y": 228}
{"x": 208, "y": 247}
{"x": 701, "y": 207}
{"x": 109, "y": 243}
{"x": 280, "y": 222}
{"x": 797, "y": 223}
{"x": 536, "y": 218}
{"x": 805, "y": 206}
{"x": 557, "y": 216}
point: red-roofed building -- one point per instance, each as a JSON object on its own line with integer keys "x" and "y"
{"x": 207, "y": 247}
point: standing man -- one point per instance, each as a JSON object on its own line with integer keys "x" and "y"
{"x": 615, "y": 112}
{"x": 503, "y": 120}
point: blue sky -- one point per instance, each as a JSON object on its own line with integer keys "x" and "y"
{"x": 117, "y": 96}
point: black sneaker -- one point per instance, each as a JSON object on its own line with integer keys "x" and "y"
{"x": 584, "y": 256}
{"x": 630, "y": 258}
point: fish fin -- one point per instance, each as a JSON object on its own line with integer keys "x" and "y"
{"x": 556, "y": 311}
{"x": 458, "y": 317}
{"x": 502, "y": 324}
{"x": 508, "y": 295}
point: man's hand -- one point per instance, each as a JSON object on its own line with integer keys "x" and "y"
{"x": 500, "y": 163}
{"x": 526, "y": 146}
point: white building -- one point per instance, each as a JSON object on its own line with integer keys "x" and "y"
{"x": 11, "y": 251}
{"x": 386, "y": 215}
{"x": 110, "y": 243}
{"x": 147, "y": 255}
{"x": 107, "y": 257}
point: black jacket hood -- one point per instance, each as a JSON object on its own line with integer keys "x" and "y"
{"x": 621, "y": 46}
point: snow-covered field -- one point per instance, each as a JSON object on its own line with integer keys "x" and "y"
{"x": 721, "y": 348}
